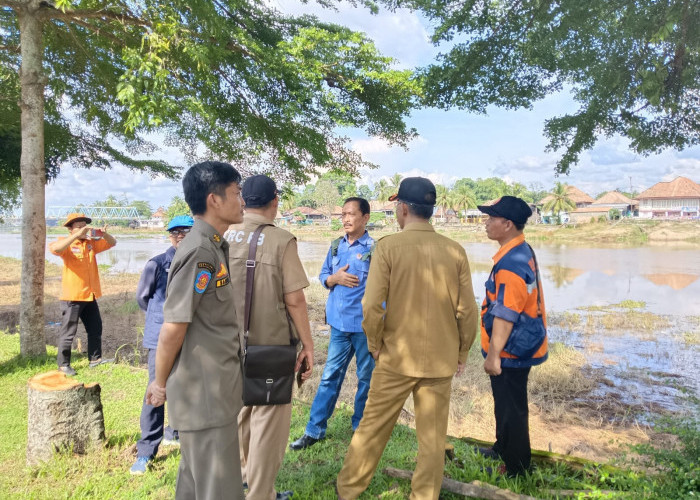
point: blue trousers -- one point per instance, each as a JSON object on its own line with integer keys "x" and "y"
{"x": 340, "y": 351}
{"x": 152, "y": 419}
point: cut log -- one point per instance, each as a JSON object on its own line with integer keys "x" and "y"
{"x": 548, "y": 457}
{"x": 63, "y": 414}
{"x": 475, "y": 489}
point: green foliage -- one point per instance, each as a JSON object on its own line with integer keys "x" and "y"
{"x": 614, "y": 214}
{"x": 254, "y": 86}
{"x": 178, "y": 206}
{"x": 375, "y": 217}
{"x": 633, "y": 67}
{"x": 336, "y": 225}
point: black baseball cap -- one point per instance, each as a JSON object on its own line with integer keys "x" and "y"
{"x": 258, "y": 191}
{"x": 508, "y": 207}
{"x": 417, "y": 191}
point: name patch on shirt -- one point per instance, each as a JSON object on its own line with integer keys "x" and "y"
{"x": 201, "y": 281}
{"x": 205, "y": 265}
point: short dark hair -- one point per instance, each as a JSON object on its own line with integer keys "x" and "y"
{"x": 518, "y": 226}
{"x": 205, "y": 178}
{"x": 361, "y": 202}
{"x": 422, "y": 211}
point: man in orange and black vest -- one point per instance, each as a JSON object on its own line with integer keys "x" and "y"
{"x": 513, "y": 330}
{"x": 81, "y": 287}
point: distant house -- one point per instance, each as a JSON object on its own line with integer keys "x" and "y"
{"x": 385, "y": 207}
{"x": 157, "y": 219}
{"x": 602, "y": 206}
{"x": 580, "y": 198}
{"x": 309, "y": 214}
{"x": 677, "y": 199}
{"x": 575, "y": 194}
{"x": 337, "y": 212}
{"x": 584, "y": 214}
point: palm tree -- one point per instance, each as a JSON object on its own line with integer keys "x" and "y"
{"x": 442, "y": 199}
{"x": 519, "y": 190}
{"x": 559, "y": 200}
{"x": 463, "y": 198}
{"x": 394, "y": 182}
{"x": 383, "y": 190}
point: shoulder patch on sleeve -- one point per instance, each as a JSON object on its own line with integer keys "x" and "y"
{"x": 202, "y": 280}
{"x": 205, "y": 265}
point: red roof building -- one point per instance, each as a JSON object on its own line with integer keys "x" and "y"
{"x": 677, "y": 198}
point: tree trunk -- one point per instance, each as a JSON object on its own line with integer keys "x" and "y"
{"x": 63, "y": 414}
{"x": 32, "y": 81}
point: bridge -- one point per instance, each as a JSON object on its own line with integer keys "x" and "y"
{"x": 55, "y": 214}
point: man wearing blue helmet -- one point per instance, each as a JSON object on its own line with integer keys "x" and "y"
{"x": 150, "y": 296}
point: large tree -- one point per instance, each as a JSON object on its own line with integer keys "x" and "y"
{"x": 255, "y": 87}
{"x": 632, "y": 66}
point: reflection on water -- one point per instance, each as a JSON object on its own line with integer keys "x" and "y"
{"x": 677, "y": 281}
{"x": 665, "y": 279}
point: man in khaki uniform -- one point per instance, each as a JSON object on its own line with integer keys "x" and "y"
{"x": 278, "y": 296}
{"x": 418, "y": 342}
{"x": 197, "y": 359}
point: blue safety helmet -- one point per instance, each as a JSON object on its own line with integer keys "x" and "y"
{"x": 180, "y": 221}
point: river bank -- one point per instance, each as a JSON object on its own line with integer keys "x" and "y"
{"x": 624, "y": 232}
{"x": 571, "y": 413}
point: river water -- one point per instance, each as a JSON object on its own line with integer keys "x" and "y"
{"x": 575, "y": 278}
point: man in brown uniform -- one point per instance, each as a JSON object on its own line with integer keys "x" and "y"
{"x": 418, "y": 342}
{"x": 278, "y": 295}
{"x": 197, "y": 359}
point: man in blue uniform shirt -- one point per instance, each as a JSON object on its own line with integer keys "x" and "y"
{"x": 150, "y": 296}
{"x": 344, "y": 273}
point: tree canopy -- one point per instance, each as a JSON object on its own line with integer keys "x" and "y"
{"x": 227, "y": 79}
{"x": 632, "y": 66}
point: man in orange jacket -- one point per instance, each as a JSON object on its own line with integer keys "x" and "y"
{"x": 81, "y": 287}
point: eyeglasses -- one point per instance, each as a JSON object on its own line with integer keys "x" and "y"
{"x": 180, "y": 232}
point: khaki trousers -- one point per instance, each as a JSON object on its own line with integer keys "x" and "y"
{"x": 387, "y": 394}
{"x": 209, "y": 465}
{"x": 263, "y": 433}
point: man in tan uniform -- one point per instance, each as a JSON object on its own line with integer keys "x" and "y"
{"x": 418, "y": 342}
{"x": 278, "y": 296}
{"x": 197, "y": 359}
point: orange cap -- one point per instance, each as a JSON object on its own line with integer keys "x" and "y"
{"x": 76, "y": 217}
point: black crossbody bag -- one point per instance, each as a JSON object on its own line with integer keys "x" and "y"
{"x": 268, "y": 370}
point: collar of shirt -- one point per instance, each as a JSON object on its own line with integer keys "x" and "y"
{"x": 170, "y": 252}
{"x": 508, "y": 247}
{"x": 419, "y": 226}
{"x": 362, "y": 240}
{"x": 209, "y": 232}
{"x": 256, "y": 219}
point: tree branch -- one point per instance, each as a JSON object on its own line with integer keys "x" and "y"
{"x": 13, "y": 4}
{"x": 106, "y": 15}
{"x": 10, "y": 48}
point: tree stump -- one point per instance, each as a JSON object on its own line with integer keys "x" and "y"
{"x": 63, "y": 414}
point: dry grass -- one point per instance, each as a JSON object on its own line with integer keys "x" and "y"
{"x": 554, "y": 388}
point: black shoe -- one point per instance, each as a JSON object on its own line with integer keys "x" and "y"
{"x": 303, "y": 442}
{"x": 100, "y": 361}
{"x": 285, "y": 495}
{"x": 68, "y": 370}
{"x": 487, "y": 452}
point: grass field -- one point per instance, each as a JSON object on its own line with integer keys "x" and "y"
{"x": 103, "y": 473}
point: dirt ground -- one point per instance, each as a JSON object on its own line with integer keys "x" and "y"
{"x": 577, "y": 424}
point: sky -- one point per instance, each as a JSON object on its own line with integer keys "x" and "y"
{"x": 451, "y": 144}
